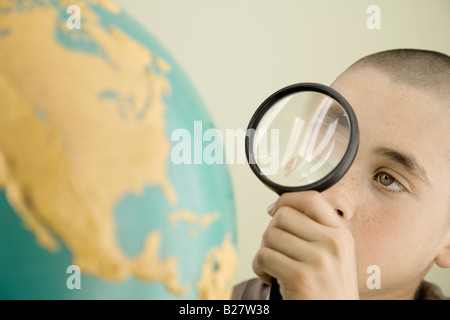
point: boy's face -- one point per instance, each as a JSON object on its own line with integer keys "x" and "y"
{"x": 395, "y": 197}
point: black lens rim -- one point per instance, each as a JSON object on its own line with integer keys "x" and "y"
{"x": 343, "y": 166}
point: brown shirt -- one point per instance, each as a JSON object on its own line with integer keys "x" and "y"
{"x": 255, "y": 289}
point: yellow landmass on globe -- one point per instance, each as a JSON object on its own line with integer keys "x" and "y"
{"x": 195, "y": 220}
{"x": 216, "y": 278}
{"x": 148, "y": 266}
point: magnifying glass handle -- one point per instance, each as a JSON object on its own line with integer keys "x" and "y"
{"x": 275, "y": 291}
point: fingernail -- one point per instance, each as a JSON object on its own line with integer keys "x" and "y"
{"x": 271, "y": 208}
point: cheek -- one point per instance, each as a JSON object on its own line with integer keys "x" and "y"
{"x": 396, "y": 235}
{"x": 380, "y": 229}
{"x": 388, "y": 235}
{"x": 380, "y": 240}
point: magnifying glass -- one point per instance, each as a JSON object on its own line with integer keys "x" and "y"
{"x": 302, "y": 137}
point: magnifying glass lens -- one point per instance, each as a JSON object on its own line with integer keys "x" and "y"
{"x": 301, "y": 138}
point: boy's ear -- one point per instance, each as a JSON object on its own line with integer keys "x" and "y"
{"x": 443, "y": 258}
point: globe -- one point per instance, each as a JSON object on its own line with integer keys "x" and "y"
{"x": 92, "y": 205}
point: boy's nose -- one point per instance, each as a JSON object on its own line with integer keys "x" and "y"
{"x": 344, "y": 194}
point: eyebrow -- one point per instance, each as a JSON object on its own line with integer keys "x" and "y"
{"x": 407, "y": 161}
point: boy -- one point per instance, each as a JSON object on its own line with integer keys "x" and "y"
{"x": 392, "y": 208}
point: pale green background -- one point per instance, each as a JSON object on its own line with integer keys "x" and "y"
{"x": 237, "y": 52}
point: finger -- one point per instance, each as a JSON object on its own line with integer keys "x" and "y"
{"x": 311, "y": 203}
{"x": 269, "y": 263}
{"x": 270, "y": 209}
{"x": 288, "y": 244}
{"x": 296, "y": 223}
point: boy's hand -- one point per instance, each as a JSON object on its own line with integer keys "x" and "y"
{"x": 307, "y": 248}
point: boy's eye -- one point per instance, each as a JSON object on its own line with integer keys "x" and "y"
{"x": 385, "y": 179}
{"x": 388, "y": 182}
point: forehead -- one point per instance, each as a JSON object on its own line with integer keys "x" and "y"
{"x": 398, "y": 116}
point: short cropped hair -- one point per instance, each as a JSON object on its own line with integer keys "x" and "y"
{"x": 424, "y": 69}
